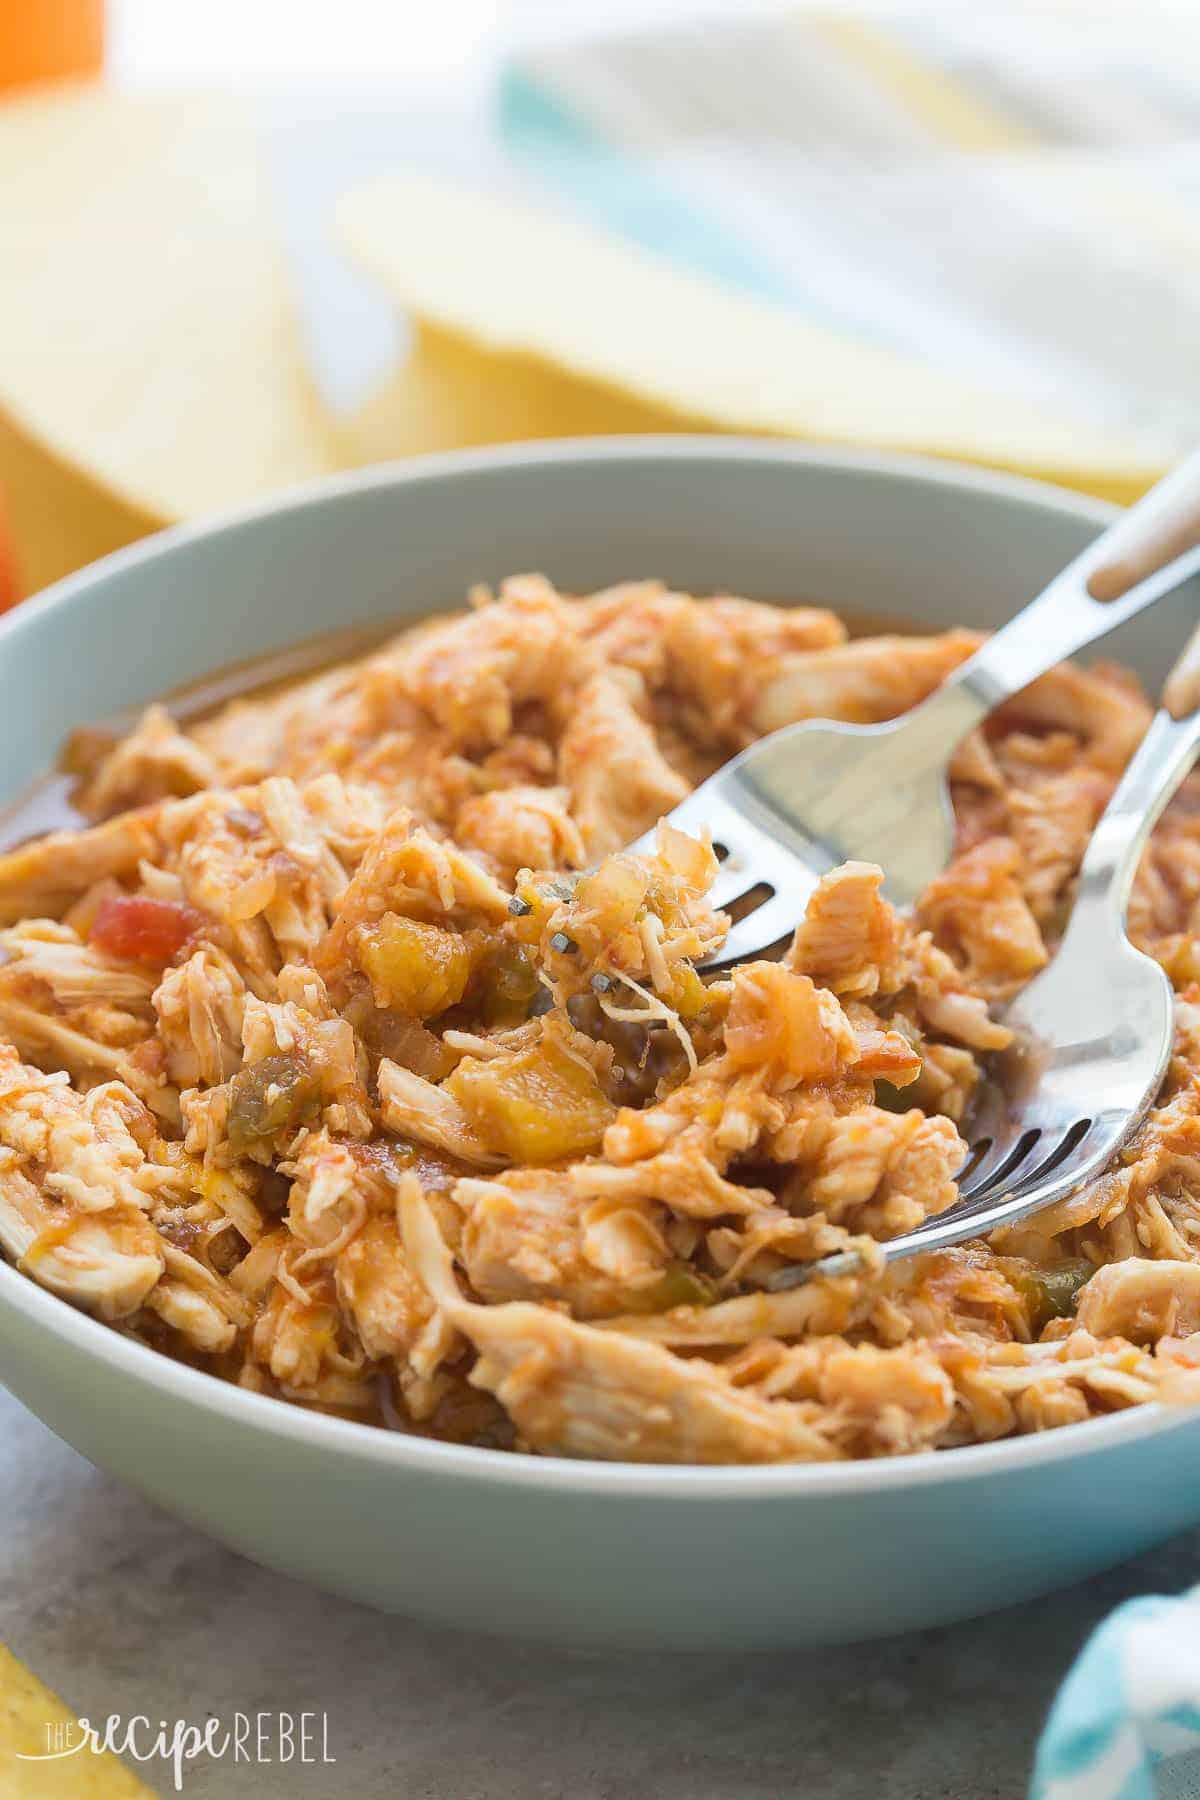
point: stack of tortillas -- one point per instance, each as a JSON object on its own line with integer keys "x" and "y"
{"x": 530, "y": 326}
{"x": 149, "y": 370}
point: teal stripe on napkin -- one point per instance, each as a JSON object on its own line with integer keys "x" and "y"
{"x": 621, "y": 194}
{"x": 1114, "y": 1732}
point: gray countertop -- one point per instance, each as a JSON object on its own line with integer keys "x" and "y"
{"x": 122, "y": 1610}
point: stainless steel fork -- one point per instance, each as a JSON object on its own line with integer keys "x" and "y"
{"x": 1093, "y": 1032}
{"x": 814, "y": 794}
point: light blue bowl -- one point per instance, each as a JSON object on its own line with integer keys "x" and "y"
{"x": 588, "y": 1553}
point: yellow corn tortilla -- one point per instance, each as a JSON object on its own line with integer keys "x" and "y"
{"x": 148, "y": 367}
{"x": 26, "y": 1710}
{"x": 448, "y": 394}
{"x": 503, "y": 290}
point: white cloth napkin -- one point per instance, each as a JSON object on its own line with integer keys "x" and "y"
{"x": 1006, "y": 191}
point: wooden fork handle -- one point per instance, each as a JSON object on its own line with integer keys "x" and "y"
{"x": 1157, "y": 530}
{"x": 1181, "y": 692}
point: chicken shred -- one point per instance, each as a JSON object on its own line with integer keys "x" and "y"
{"x": 347, "y": 1052}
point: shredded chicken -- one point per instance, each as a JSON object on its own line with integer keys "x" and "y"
{"x": 347, "y": 1051}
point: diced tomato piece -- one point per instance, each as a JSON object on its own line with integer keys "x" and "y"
{"x": 138, "y": 928}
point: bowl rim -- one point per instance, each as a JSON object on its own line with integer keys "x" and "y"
{"x": 438, "y": 465}
{"x": 125, "y": 1356}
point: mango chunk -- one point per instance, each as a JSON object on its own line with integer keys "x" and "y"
{"x": 534, "y": 1106}
{"x": 416, "y": 968}
{"x": 688, "y": 994}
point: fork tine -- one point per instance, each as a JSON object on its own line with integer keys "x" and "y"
{"x": 980, "y": 1208}
{"x": 734, "y": 879}
{"x": 966, "y": 1219}
{"x": 987, "y": 1212}
{"x": 1003, "y": 1156}
{"x": 973, "y": 1211}
{"x": 755, "y": 859}
{"x": 1068, "y": 1165}
{"x": 776, "y": 918}
{"x": 1048, "y": 1155}
{"x": 971, "y": 1161}
{"x": 997, "y": 1173}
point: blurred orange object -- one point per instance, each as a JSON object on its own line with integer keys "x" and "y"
{"x": 42, "y": 40}
{"x": 9, "y": 591}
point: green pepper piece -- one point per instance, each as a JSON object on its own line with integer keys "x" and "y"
{"x": 267, "y": 1097}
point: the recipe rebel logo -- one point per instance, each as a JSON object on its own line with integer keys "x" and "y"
{"x": 297, "y": 1739}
